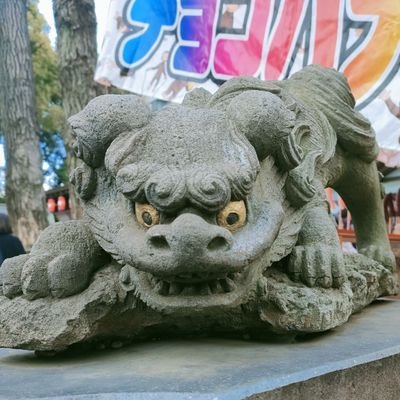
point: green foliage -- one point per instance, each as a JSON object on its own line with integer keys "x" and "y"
{"x": 44, "y": 59}
{"x": 48, "y": 94}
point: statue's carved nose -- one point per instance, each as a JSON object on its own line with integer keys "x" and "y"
{"x": 189, "y": 234}
{"x": 158, "y": 240}
{"x": 218, "y": 243}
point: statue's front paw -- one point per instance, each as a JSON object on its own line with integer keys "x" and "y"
{"x": 35, "y": 276}
{"x": 381, "y": 254}
{"x": 10, "y": 276}
{"x": 317, "y": 265}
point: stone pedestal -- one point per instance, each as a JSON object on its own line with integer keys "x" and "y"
{"x": 360, "y": 360}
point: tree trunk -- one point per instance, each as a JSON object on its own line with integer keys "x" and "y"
{"x": 24, "y": 178}
{"x": 77, "y": 49}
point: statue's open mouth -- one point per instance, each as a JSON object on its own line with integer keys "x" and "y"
{"x": 192, "y": 285}
{"x": 188, "y": 292}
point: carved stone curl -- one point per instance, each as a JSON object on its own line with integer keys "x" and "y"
{"x": 208, "y": 216}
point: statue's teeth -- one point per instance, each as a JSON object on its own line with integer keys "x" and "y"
{"x": 175, "y": 288}
{"x": 215, "y": 287}
{"x": 228, "y": 285}
{"x": 162, "y": 287}
{"x": 125, "y": 276}
{"x": 189, "y": 290}
{"x": 263, "y": 287}
{"x": 185, "y": 276}
{"x": 205, "y": 289}
{"x": 154, "y": 280}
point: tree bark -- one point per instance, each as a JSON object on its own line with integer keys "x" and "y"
{"x": 77, "y": 49}
{"x": 25, "y": 197}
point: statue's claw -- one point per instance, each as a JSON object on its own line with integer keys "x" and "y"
{"x": 36, "y": 276}
{"x": 317, "y": 265}
{"x": 380, "y": 254}
{"x": 10, "y": 276}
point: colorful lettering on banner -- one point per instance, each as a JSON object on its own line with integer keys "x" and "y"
{"x": 379, "y": 58}
{"x": 327, "y": 14}
{"x": 240, "y": 54}
{"x": 196, "y": 29}
{"x": 284, "y": 37}
{"x": 147, "y": 20}
{"x": 219, "y": 39}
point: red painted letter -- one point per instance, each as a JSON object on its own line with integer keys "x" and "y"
{"x": 284, "y": 38}
{"x": 242, "y": 55}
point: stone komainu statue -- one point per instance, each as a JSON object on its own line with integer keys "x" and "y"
{"x": 208, "y": 217}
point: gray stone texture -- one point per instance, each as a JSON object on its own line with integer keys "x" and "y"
{"x": 207, "y": 217}
{"x": 376, "y": 380}
{"x": 359, "y": 360}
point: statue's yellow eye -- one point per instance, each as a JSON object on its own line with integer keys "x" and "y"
{"x": 233, "y": 216}
{"x": 146, "y": 214}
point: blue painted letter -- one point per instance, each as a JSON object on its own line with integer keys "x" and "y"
{"x": 147, "y": 20}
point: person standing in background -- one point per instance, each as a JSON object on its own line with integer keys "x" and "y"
{"x": 10, "y": 246}
{"x": 393, "y": 108}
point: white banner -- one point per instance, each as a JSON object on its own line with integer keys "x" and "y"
{"x": 164, "y": 48}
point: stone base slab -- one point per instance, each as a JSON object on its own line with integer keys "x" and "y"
{"x": 357, "y": 360}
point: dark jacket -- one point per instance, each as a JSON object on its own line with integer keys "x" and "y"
{"x": 10, "y": 246}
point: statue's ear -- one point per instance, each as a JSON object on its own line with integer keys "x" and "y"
{"x": 291, "y": 150}
{"x": 102, "y": 120}
{"x": 263, "y": 118}
{"x": 85, "y": 181}
{"x": 271, "y": 125}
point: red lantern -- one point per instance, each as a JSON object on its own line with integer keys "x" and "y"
{"x": 61, "y": 203}
{"x": 51, "y": 205}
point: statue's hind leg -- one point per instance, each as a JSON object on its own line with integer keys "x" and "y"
{"x": 360, "y": 188}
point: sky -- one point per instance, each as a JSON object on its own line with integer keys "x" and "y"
{"x": 46, "y": 8}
